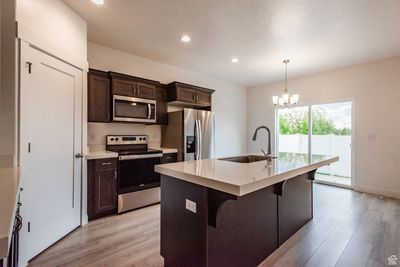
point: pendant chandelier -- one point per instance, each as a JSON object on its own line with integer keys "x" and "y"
{"x": 286, "y": 100}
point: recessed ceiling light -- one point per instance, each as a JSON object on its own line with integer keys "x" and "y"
{"x": 98, "y": 2}
{"x": 185, "y": 38}
{"x": 234, "y": 60}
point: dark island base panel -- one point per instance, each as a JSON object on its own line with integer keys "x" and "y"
{"x": 228, "y": 230}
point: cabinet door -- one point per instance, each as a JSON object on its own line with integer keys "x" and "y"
{"x": 161, "y": 107}
{"x": 145, "y": 91}
{"x": 105, "y": 187}
{"x": 123, "y": 87}
{"x": 99, "y": 95}
{"x": 203, "y": 98}
{"x": 186, "y": 95}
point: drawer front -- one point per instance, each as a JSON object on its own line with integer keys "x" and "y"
{"x": 145, "y": 91}
{"x": 123, "y": 87}
{"x": 170, "y": 158}
{"x": 103, "y": 164}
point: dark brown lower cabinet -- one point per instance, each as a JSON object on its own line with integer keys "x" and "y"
{"x": 295, "y": 205}
{"x": 227, "y": 230}
{"x": 102, "y": 187}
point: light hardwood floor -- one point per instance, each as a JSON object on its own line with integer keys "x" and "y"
{"x": 348, "y": 229}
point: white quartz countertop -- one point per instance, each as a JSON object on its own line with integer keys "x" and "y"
{"x": 9, "y": 189}
{"x": 242, "y": 178}
{"x": 102, "y": 154}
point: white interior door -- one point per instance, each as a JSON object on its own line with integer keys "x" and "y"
{"x": 50, "y": 136}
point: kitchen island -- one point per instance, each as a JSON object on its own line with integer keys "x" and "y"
{"x": 234, "y": 211}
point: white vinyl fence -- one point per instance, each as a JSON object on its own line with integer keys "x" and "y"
{"x": 323, "y": 145}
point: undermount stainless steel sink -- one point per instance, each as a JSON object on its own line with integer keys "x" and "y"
{"x": 246, "y": 159}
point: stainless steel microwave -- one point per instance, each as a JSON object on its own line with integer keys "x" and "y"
{"x": 132, "y": 109}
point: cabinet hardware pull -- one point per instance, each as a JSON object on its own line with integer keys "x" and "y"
{"x": 115, "y": 174}
{"x": 106, "y": 163}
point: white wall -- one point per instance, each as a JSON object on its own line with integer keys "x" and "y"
{"x": 56, "y": 22}
{"x": 375, "y": 88}
{"x": 229, "y": 101}
{"x": 8, "y": 93}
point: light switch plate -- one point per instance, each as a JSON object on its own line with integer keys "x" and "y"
{"x": 190, "y": 205}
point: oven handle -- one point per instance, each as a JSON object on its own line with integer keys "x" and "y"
{"x": 149, "y": 113}
{"x": 145, "y": 156}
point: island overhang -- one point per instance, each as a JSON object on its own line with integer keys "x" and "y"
{"x": 240, "y": 179}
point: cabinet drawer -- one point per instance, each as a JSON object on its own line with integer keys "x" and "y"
{"x": 170, "y": 158}
{"x": 108, "y": 163}
{"x": 145, "y": 91}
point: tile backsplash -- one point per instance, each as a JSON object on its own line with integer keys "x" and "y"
{"x": 97, "y": 133}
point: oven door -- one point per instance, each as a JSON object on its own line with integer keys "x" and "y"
{"x": 138, "y": 173}
{"x": 131, "y": 109}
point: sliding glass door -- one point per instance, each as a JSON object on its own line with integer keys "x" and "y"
{"x": 293, "y": 130}
{"x": 319, "y": 129}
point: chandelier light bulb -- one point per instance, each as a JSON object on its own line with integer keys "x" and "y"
{"x": 275, "y": 100}
{"x": 285, "y": 97}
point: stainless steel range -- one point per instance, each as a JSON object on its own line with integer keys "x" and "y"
{"x": 138, "y": 183}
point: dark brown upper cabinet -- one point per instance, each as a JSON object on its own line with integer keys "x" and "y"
{"x": 99, "y": 96}
{"x": 162, "y": 105}
{"x": 189, "y": 95}
{"x": 203, "y": 97}
{"x": 126, "y": 85}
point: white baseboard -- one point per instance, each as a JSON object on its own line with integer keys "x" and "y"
{"x": 378, "y": 191}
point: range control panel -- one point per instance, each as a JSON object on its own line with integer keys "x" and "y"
{"x": 126, "y": 139}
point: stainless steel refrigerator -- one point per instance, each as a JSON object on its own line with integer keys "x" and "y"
{"x": 192, "y": 132}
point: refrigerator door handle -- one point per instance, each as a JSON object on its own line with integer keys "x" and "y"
{"x": 197, "y": 140}
{"x": 200, "y": 140}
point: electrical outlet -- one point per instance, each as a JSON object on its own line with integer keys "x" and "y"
{"x": 190, "y": 205}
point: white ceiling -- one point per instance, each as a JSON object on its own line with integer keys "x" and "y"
{"x": 316, "y": 35}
